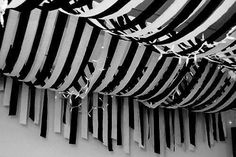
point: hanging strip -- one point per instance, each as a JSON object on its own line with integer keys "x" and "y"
{"x": 84, "y": 121}
{"x": 24, "y": 104}
{"x": 131, "y": 112}
{"x": 192, "y": 129}
{"x": 95, "y": 115}
{"x": 38, "y": 104}
{"x": 137, "y": 131}
{"x": 125, "y": 123}
{"x": 177, "y": 136}
{"x": 105, "y": 120}
{"x": 114, "y": 118}
{"x": 214, "y": 126}
{"x": 32, "y": 103}
{"x": 67, "y": 114}
{"x": 74, "y": 118}
{"x": 43, "y": 132}
{"x": 2, "y": 82}
{"x": 162, "y": 132}
{"x": 58, "y": 113}
{"x": 156, "y": 131}
{"x": 221, "y": 128}
{"x": 141, "y": 120}
{"x": 167, "y": 127}
{"x": 90, "y": 113}
{"x": 14, "y": 97}
{"x": 119, "y": 120}
{"x": 110, "y": 123}
{"x": 100, "y": 117}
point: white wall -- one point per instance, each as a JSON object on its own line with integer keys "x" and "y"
{"x": 24, "y": 141}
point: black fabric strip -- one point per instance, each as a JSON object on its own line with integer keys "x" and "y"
{"x": 189, "y": 86}
{"x": 167, "y": 127}
{"x": 2, "y": 29}
{"x": 192, "y": 127}
{"x": 32, "y": 103}
{"x": 91, "y": 67}
{"x": 100, "y": 117}
{"x": 89, "y": 50}
{"x": 76, "y": 40}
{"x": 43, "y": 132}
{"x": 173, "y": 125}
{"x": 176, "y": 81}
{"x": 90, "y": 110}
{"x": 207, "y": 122}
{"x": 221, "y": 129}
{"x": 53, "y": 49}
{"x": 131, "y": 112}
{"x": 111, "y": 52}
{"x": 183, "y": 15}
{"x": 26, "y": 68}
{"x": 119, "y": 122}
{"x": 141, "y": 117}
{"x": 74, "y": 119}
{"x": 114, "y": 8}
{"x": 198, "y": 20}
{"x": 122, "y": 69}
{"x": 14, "y": 51}
{"x": 138, "y": 72}
{"x": 233, "y": 135}
{"x": 213, "y": 116}
{"x": 154, "y": 73}
{"x": 206, "y": 80}
{"x": 109, "y": 131}
{"x": 162, "y": 81}
{"x": 156, "y": 131}
{"x": 29, "y": 5}
{"x": 14, "y": 98}
{"x": 181, "y": 124}
{"x": 64, "y": 110}
{"x": 144, "y": 15}
{"x": 209, "y": 90}
{"x": 218, "y": 94}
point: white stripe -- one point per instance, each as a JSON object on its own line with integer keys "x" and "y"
{"x": 58, "y": 112}
{"x": 114, "y": 118}
{"x": 84, "y": 122}
{"x": 126, "y": 130}
{"x": 7, "y": 92}
{"x": 24, "y": 104}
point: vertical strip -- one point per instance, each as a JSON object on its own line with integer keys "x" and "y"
{"x": 14, "y": 98}
{"x": 24, "y": 104}
{"x": 43, "y": 132}
{"x": 32, "y": 103}
{"x": 84, "y": 122}
{"x": 95, "y": 115}
{"x": 131, "y": 112}
{"x": 90, "y": 113}
{"x": 156, "y": 130}
{"x": 221, "y": 128}
{"x": 38, "y": 102}
{"x": 100, "y": 117}
{"x": 192, "y": 128}
{"x": 109, "y": 127}
{"x": 57, "y": 113}
{"x": 114, "y": 118}
{"x": 7, "y": 92}
{"x": 105, "y": 120}
{"x": 119, "y": 120}
{"x": 126, "y": 131}
{"x": 137, "y": 131}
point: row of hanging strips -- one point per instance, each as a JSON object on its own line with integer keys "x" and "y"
{"x": 96, "y": 61}
{"x": 110, "y": 119}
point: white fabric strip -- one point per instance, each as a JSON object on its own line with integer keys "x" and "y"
{"x": 126, "y": 130}
{"x": 105, "y": 121}
{"x": 38, "y": 103}
{"x": 58, "y": 112}
{"x": 7, "y": 92}
{"x": 114, "y": 118}
{"x": 66, "y": 131}
{"x": 24, "y": 104}
{"x": 84, "y": 122}
{"x": 95, "y": 115}
{"x": 137, "y": 129}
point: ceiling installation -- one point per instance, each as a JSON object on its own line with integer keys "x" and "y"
{"x": 161, "y": 53}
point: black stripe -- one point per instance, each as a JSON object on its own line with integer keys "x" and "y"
{"x": 167, "y": 127}
{"x": 119, "y": 121}
{"x": 156, "y": 131}
{"x": 32, "y": 103}
{"x": 181, "y": 125}
{"x": 100, "y": 117}
{"x": 43, "y": 132}
{"x": 207, "y": 122}
{"x": 131, "y": 112}
{"x": 14, "y": 97}
{"x": 109, "y": 128}
{"x": 192, "y": 127}
{"x": 220, "y": 127}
